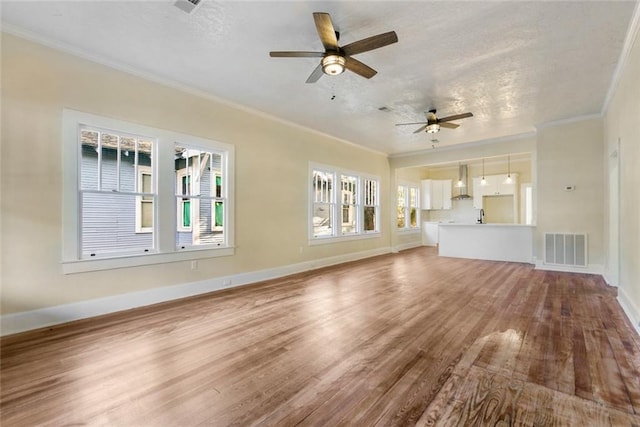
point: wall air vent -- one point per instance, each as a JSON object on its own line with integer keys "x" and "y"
{"x": 565, "y": 249}
{"x": 187, "y": 5}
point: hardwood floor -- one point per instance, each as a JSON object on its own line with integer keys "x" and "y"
{"x": 402, "y": 339}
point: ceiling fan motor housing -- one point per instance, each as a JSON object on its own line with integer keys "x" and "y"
{"x": 333, "y": 64}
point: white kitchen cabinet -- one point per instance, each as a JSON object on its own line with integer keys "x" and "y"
{"x": 430, "y": 233}
{"x": 436, "y": 194}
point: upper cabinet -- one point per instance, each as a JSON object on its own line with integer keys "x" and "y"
{"x": 496, "y": 185}
{"x": 436, "y": 194}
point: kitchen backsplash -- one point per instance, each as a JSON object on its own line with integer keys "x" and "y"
{"x": 462, "y": 211}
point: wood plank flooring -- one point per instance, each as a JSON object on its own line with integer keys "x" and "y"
{"x": 402, "y": 339}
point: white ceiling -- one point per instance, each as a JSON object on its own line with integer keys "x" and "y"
{"x": 513, "y": 64}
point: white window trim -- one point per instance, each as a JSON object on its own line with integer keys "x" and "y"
{"x": 165, "y": 208}
{"x": 214, "y": 177}
{"x": 407, "y": 208}
{"x": 337, "y": 206}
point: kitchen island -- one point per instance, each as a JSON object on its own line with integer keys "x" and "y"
{"x": 496, "y": 242}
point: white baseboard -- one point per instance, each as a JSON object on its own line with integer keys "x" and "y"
{"x": 590, "y": 269}
{"x": 630, "y": 309}
{"x": 28, "y": 320}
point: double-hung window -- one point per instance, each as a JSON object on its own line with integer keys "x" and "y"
{"x": 117, "y": 192}
{"x": 136, "y": 195}
{"x": 343, "y": 204}
{"x": 407, "y": 210}
{"x": 200, "y": 196}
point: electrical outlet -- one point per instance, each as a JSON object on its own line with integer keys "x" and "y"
{"x": 194, "y": 265}
{"x": 226, "y": 282}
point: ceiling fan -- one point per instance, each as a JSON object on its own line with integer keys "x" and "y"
{"x": 433, "y": 123}
{"x": 335, "y": 58}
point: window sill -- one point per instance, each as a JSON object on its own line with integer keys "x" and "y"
{"x": 83, "y": 266}
{"x": 328, "y": 240}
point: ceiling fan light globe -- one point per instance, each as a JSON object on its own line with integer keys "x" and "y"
{"x": 333, "y": 64}
{"x": 433, "y": 128}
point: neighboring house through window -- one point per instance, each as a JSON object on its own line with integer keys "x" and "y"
{"x": 407, "y": 217}
{"x": 117, "y": 193}
{"x": 200, "y": 196}
{"x": 117, "y": 189}
{"x": 351, "y": 212}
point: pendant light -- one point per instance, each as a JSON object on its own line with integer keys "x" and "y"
{"x": 483, "y": 181}
{"x": 508, "y": 181}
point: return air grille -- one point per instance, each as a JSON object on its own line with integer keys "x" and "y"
{"x": 565, "y": 249}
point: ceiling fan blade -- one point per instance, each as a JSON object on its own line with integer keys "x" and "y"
{"x": 326, "y": 31}
{"x": 455, "y": 117}
{"x": 420, "y": 129}
{"x": 370, "y": 43}
{"x": 417, "y": 123}
{"x": 448, "y": 125}
{"x": 359, "y": 68}
{"x": 315, "y": 75}
{"x": 287, "y": 54}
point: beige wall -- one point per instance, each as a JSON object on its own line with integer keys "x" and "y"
{"x": 571, "y": 154}
{"x": 271, "y": 171}
{"x": 622, "y": 122}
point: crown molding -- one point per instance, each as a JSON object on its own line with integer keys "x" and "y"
{"x": 145, "y": 75}
{"x": 561, "y": 122}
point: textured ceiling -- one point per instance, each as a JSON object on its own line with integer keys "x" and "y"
{"x": 513, "y": 64}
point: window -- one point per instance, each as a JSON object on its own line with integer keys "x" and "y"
{"x": 121, "y": 180}
{"x": 349, "y": 194}
{"x": 200, "y": 197}
{"x": 407, "y": 210}
{"x": 116, "y": 194}
{"x": 351, "y": 212}
{"x": 370, "y": 193}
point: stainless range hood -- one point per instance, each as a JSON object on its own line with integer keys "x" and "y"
{"x": 462, "y": 176}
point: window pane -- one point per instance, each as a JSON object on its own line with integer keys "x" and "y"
{"x": 322, "y": 219}
{"x": 186, "y": 213}
{"x": 401, "y": 198}
{"x": 146, "y": 183}
{"x": 349, "y": 224}
{"x": 370, "y": 192}
{"x": 109, "y": 161}
{"x": 413, "y": 197}
{"x": 414, "y": 217}
{"x": 369, "y": 218}
{"x": 400, "y": 207}
{"x": 127, "y": 164}
{"x": 202, "y": 222}
{"x": 89, "y": 160}
{"x": 400, "y": 214}
{"x": 146, "y": 213}
{"x": 218, "y": 186}
{"x": 109, "y": 224}
{"x": 219, "y": 214}
{"x": 323, "y": 187}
